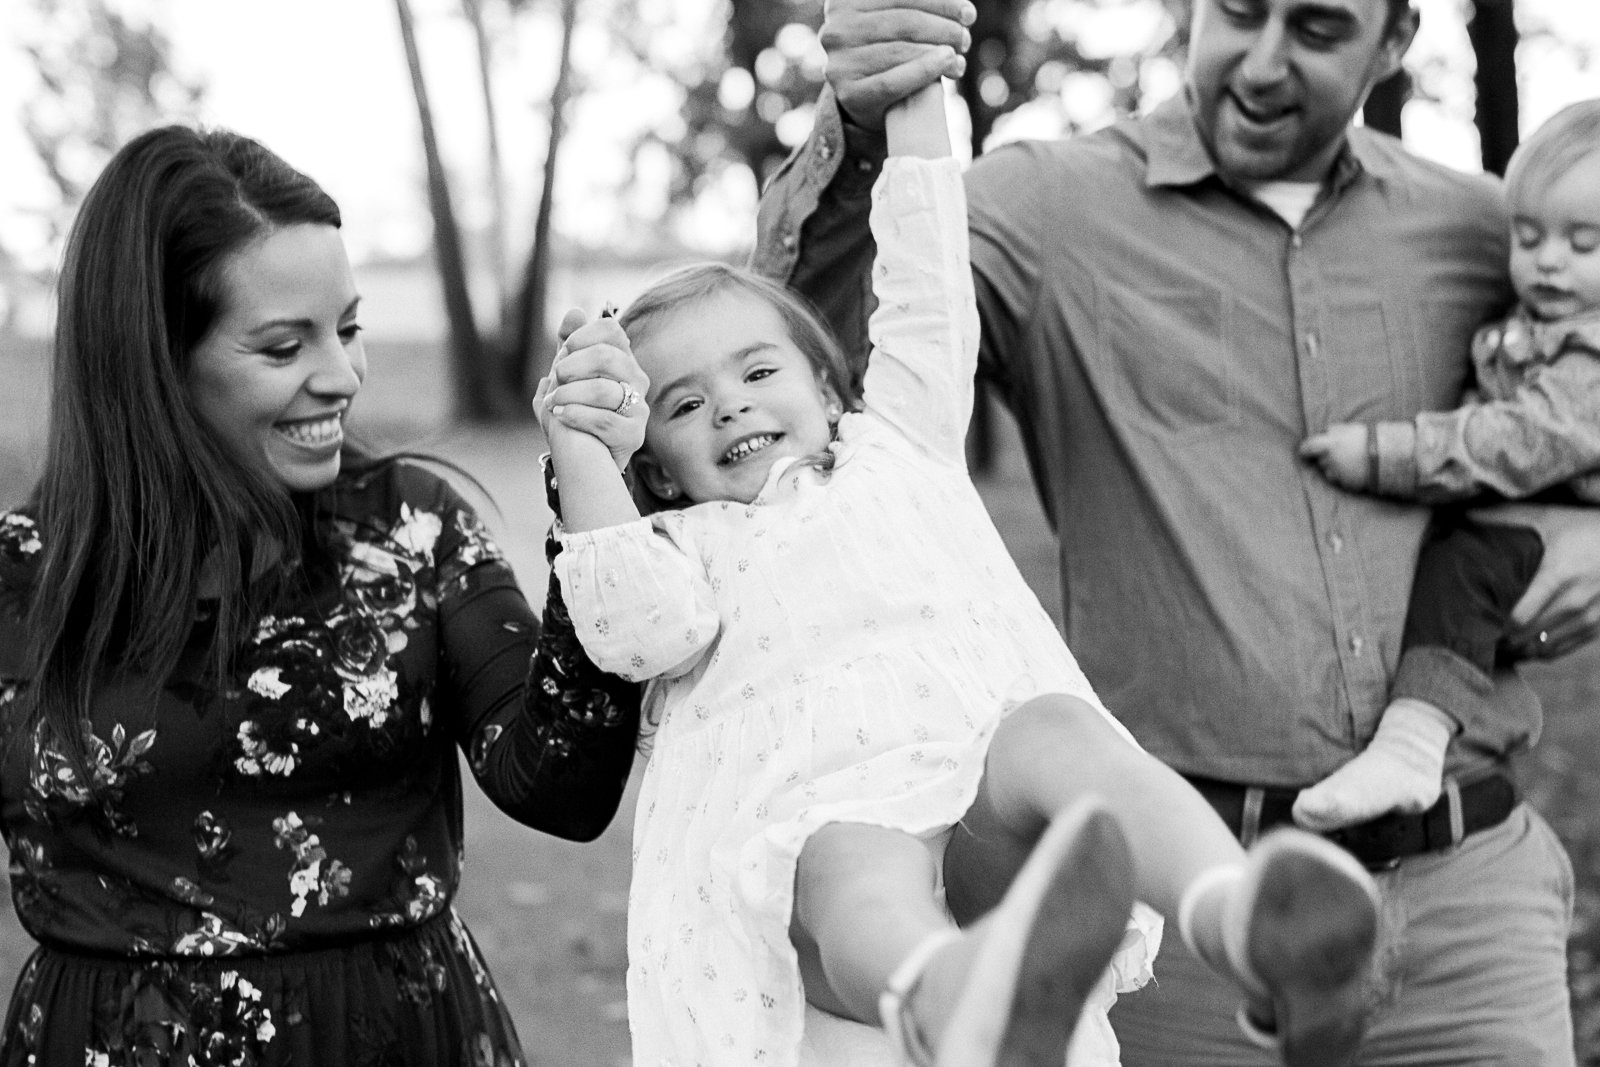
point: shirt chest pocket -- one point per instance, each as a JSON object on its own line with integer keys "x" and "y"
{"x": 1164, "y": 357}
{"x": 1373, "y": 377}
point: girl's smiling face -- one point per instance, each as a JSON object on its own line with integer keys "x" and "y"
{"x": 730, "y": 394}
{"x": 275, "y": 375}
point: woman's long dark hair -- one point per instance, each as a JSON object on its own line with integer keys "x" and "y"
{"x": 136, "y": 493}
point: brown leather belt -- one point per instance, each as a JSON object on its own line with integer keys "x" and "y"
{"x": 1382, "y": 843}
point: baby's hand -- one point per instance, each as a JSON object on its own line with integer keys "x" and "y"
{"x": 595, "y": 386}
{"x": 1340, "y": 452}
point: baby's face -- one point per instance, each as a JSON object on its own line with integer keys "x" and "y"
{"x": 1555, "y": 244}
{"x": 730, "y": 394}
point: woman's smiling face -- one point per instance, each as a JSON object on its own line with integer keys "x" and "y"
{"x": 274, "y": 377}
{"x": 730, "y": 394}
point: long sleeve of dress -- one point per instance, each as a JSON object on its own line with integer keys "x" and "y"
{"x": 550, "y": 737}
{"x": 640, "y": 599}
{"x": 924, "y": 332}
{"x": 1544, "y": 432}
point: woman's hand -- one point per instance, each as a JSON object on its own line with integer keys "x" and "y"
{"x": 596, "y": 387}
{"x": 1560, "y": 612}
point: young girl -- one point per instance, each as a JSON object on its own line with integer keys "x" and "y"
{"x": 1532, "y": 424}
{"x": 854, "y": 691}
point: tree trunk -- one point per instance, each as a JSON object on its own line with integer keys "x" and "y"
{"x": 497, "y": 185}
{"x": 474, "y": 400}
{"x": 526, "y": 361}
{"x": 1493, "y": 32}
{"x": 1382, "y": 110}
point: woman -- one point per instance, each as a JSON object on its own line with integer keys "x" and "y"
{"x": 236, "y": 656}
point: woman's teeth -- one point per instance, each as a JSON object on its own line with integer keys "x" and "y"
{"x": 312, "y": 432}
{"x": 748, "y": 447}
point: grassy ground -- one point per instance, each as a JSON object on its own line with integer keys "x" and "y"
{"x": 549, "y": 914}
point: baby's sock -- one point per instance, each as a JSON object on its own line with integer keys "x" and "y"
{"x": 1401, "y": 770}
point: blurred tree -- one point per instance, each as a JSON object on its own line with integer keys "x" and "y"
{"x": 1493, "y": 32}
{"x": 492, "y": 375}
{"x": 102, "y": 76}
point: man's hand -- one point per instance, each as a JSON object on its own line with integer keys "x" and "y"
{"x": 1340, "y": 452}
{"x": 1560, "y": 612}
{"x": 882, "y": 51}
{"x": 595, "y": 386}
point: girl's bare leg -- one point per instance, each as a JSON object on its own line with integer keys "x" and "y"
{"x": 1293, "y": 924}
{"x": 1053, "y": 751}
{"x": 1010, "y": 988}
{"x": 864, "y": 898}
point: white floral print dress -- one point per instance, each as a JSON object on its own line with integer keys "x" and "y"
{"x": 841, "y": 650}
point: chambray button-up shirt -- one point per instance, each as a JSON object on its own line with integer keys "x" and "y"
{"x": 1166, "y": 342}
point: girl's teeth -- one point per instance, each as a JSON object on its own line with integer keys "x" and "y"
{"x": 320, "y": 432}
{"x": 745, "y": 448}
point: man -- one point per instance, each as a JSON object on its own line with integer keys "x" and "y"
{"x": 1169, "y": 307}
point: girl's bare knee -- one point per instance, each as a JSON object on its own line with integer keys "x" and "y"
{"x": 1057, "y": 726}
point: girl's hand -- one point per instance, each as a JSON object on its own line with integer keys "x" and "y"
{"x": 1340, "y": 452}
{"x": 596, "y": 387}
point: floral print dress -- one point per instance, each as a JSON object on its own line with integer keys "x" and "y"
{"x": 264, "y": 870}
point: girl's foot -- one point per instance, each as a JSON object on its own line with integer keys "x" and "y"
{"x": 1401, "y": 770}
{"x": 1007, "y": 992}
{"x": 1296, "y": 928}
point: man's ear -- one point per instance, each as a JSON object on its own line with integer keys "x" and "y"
{"x": 657, "y": 480}
{"x": 1397, "y": 41}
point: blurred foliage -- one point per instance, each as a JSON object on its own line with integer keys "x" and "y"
{"x": 748, "y": 97}
{"x": 102, "y": 76}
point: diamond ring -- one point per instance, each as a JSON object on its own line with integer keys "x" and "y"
{"x": 630, "y": 397}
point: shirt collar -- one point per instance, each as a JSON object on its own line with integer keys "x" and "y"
{"x": 1176, "y": 156}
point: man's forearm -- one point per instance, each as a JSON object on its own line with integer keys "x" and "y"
{"x": 812, "y": 231}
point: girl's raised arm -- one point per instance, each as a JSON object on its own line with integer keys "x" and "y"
{"x": 916, "y": 125}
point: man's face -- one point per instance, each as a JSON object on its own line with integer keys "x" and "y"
{"x": 1276, "y": 82}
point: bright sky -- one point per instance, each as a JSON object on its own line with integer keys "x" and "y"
{"x": 325, "y": 85}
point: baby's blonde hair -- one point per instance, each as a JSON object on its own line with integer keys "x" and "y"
{"x": 700, "y": 281}
{"x": 1570, "y": 136}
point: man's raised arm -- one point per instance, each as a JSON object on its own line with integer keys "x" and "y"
{"x": 811, "y": 232}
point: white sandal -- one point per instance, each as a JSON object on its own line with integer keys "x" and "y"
{"x": 1044, "y": 949}
{"x": 893, "y": 1007}
{"x": 1304, "y": 944}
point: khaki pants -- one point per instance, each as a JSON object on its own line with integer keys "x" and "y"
{"x": 1471, "y": 968}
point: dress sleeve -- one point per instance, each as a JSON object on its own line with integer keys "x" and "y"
{"x": 640, "y": 598}
{"x": 924, "y": 332}
{"x": 1546, "y": 433}
{"x": 549, "y": 737}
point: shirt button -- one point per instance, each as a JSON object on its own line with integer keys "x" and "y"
{"x": 825, "y": 149}
{"x": 1312, "y": 349}
{"x": 1295, "y": 240}
{"x": 864, "y": 165}
{"x": 1337, "y": 542}
{"x": 1356, "y": 644}
{"x": 788, "y": 241}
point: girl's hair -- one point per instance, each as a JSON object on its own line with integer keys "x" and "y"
{"x": 700, "y": 281}
{"x": 137, "y": 496}
{"x": 1569, "y": 137}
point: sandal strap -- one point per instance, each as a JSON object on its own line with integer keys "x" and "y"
{"x": 898, "y": 1025}
{"x": 1253, "y": 1032}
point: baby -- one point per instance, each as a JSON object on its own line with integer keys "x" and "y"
{"x": 1532, "y": 424}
